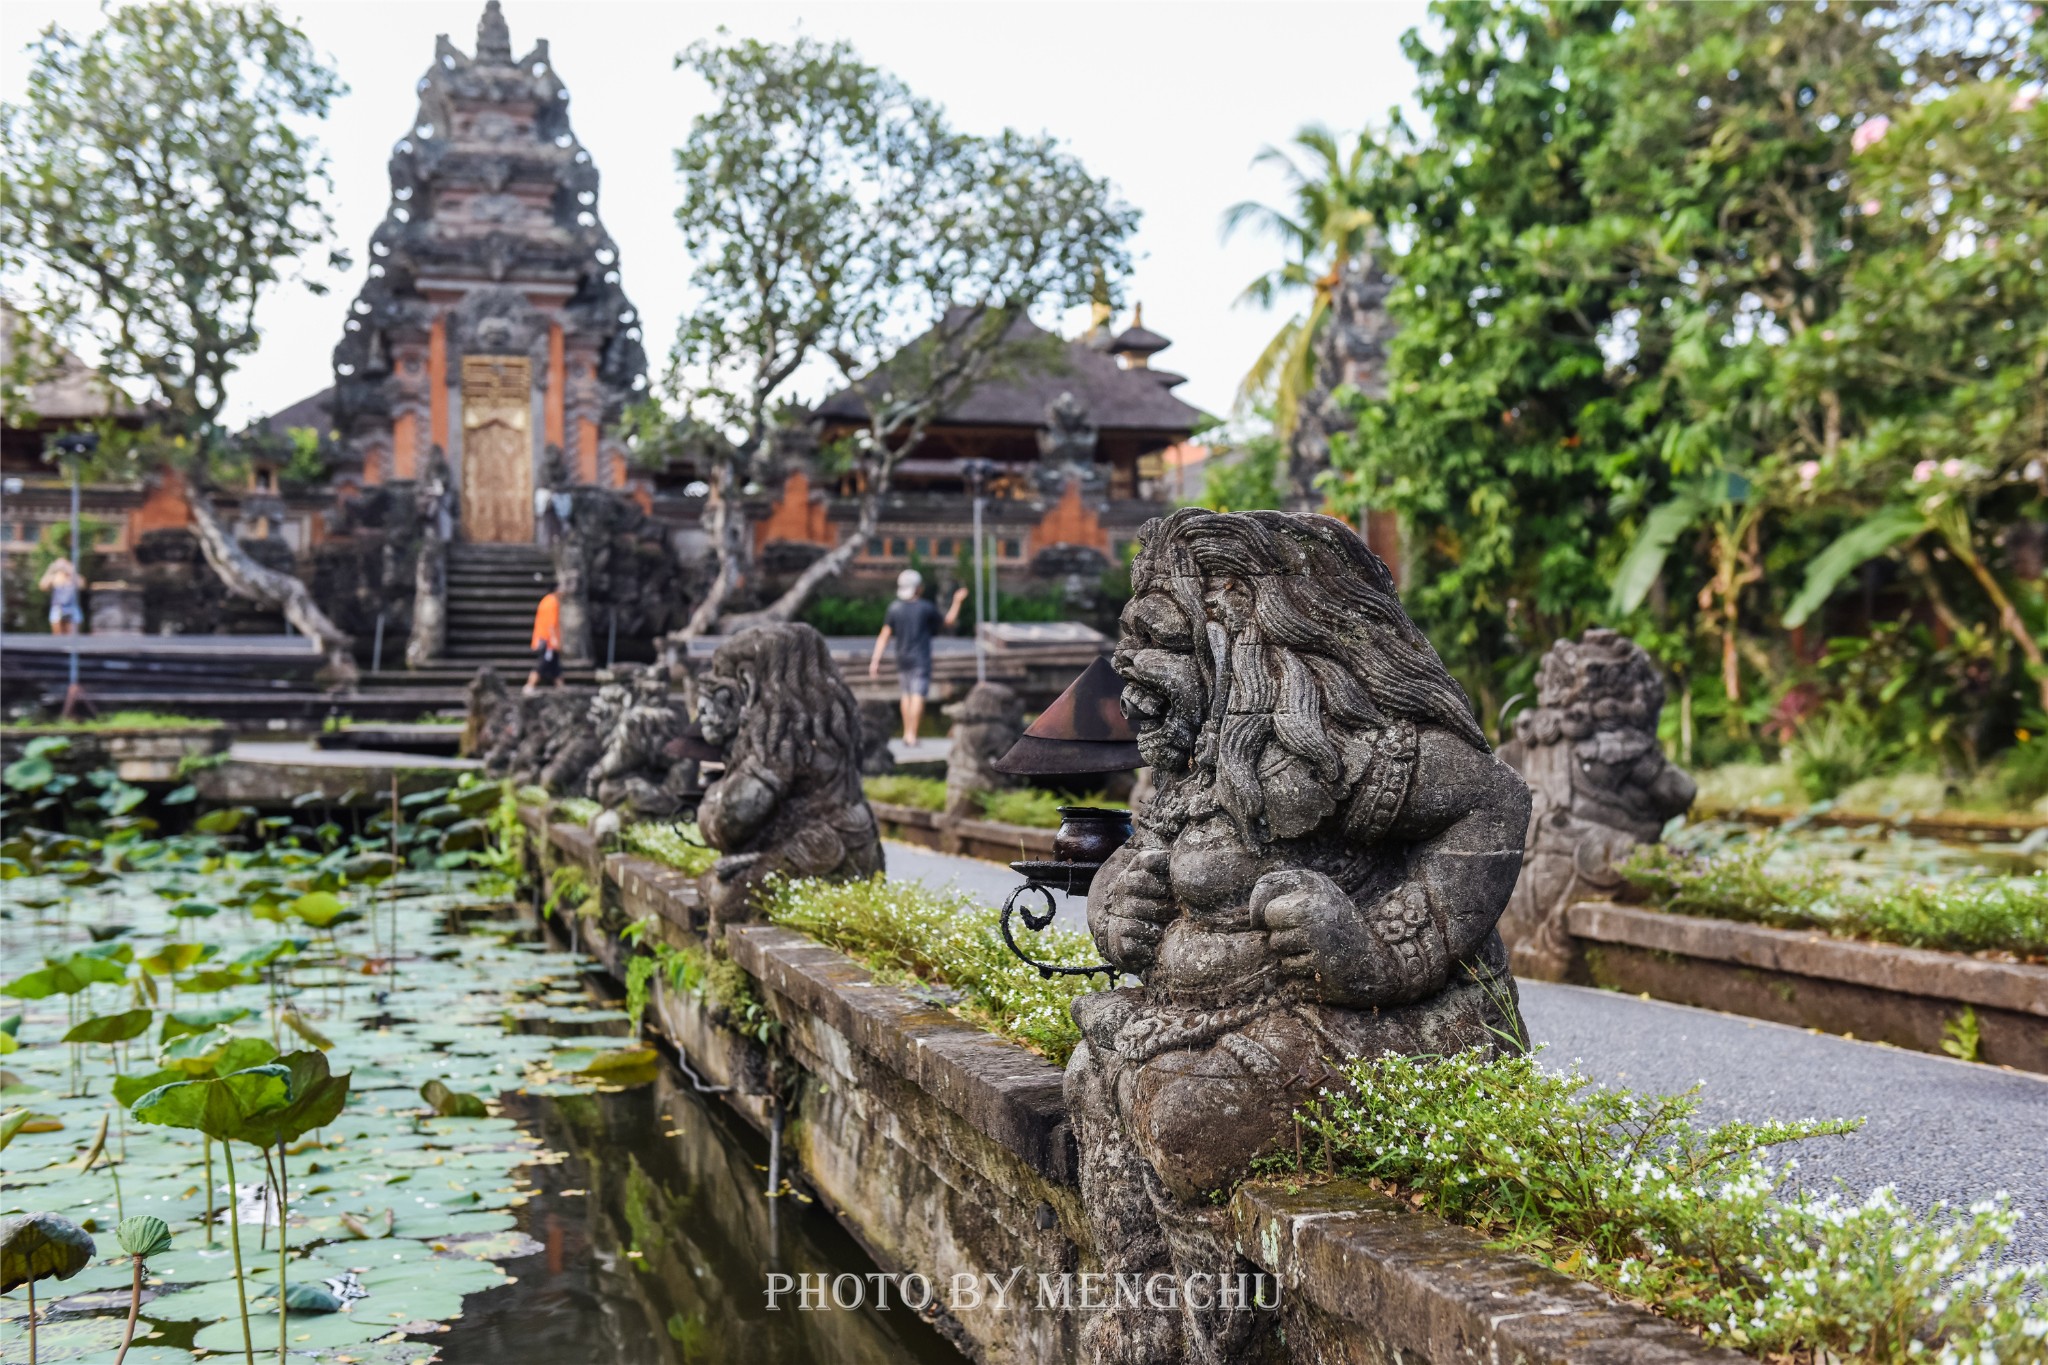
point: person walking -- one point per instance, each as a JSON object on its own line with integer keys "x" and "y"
{"x": 547, "y": 639}
{"x": 62, "y": 582}
{"x": 912, "y": 621}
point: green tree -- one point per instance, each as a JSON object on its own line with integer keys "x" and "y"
{"x": 1496, "y": 441}
{"x": 1940, "y": 340}
{"x": 156, "y": 183}
{"x": 1628, "y": 377}
{"x": 831, "y": 216}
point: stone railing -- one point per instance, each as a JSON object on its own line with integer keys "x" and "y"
{"x": 1880, "y": 992}
{"x": 946, "y": 1151}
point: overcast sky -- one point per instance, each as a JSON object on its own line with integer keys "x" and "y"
{"x": 1171, "y": 101}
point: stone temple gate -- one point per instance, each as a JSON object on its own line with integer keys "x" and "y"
{"x": 492, "y": 324}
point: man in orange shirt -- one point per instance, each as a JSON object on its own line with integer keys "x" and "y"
{"x": 547, "y": 639}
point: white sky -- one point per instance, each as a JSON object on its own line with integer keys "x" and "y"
{"x": 1171, "y": 101}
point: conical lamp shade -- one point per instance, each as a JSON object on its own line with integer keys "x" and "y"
{"x": 1084, "y": 731}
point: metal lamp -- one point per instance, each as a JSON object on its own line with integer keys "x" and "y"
{"x": 1084, "y": 732}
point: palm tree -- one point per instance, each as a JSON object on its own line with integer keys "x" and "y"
{"x": 1327, "y": 226}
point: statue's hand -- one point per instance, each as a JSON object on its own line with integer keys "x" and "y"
{"x": 1131, "y": 912}
{"x": 1143, "y": 890}
{"x": 1312, "y": 926}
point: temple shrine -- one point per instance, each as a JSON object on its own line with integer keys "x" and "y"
{"x": 492, "y": 323}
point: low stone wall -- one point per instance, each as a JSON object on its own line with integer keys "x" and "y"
{"x": 1880, "y": 992}
{"x": 988, "y": 839}
{"x": 946, "y": 1151}
{"x": 151, "y": 755}
{"x": 1959, "y": 827}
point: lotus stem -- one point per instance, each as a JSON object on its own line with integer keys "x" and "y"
{"x": 134, "y": 1310}
{"x": 283, "y": 1241}
{"x": 31, "y": 1322}
{"x": 227, "y": 1150}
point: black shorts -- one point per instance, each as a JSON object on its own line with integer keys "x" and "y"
{"x": 550, "y": 665}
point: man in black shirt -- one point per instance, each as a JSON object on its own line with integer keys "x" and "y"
{"x": 913, "y": 620}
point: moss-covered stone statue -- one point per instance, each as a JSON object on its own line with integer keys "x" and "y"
{"x": 1317, "y": 878}
{"x": 790, "y": 800}
{"x": 1602, "y": 785}
{"x": 986, "y": 724}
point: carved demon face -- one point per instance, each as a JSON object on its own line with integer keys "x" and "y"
{"x": 1162, "y": 696}
{"x": 720, "y": 704}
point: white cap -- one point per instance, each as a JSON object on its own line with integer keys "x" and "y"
{"x": 907, "y": 583}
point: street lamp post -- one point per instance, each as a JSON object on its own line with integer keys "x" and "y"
{"x": 977, "y": 474}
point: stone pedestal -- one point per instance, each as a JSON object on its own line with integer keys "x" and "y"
{"x": 116, "y": 608}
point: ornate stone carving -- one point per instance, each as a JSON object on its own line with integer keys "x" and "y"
{"x": 1066, "y": 447}
{"x": 790, "y": 800}
{"x": 523, "y": 212}
{"x": 1602, "y": 785}
{"x": 433, "y": 507}
{"x": 986, "y": 723}
{"x": 1317, "y": 877}
{"x": 639, "y": 770}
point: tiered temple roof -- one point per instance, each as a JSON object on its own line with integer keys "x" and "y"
{"x": 491, "y": 246}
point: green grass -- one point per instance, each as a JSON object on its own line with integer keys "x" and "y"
{"x": 678, "y": 845}
{"x": 1030, "y": 806}
{"x": 577, "y": 810}
{"x": 1036, "y": 807}
{"x": 1965, "y": 915}
{"x": 898, "y": 789}
{"x": 1625, "y": 1190}
{"x": 121, "y": 720}
{"x": 906, "y": 932}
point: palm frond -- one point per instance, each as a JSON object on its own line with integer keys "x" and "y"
{"x": 1263, "y": 379}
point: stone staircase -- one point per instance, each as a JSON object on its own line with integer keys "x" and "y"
{"x": 492, "y": 591}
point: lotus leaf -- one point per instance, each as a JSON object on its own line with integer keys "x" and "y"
{"x": 41, "y": 1246}
{"x": 178, "y": 1023}
{"x": 226, "y": 820}
{"x": 317, "y": 1097}
{"x": 144, "y": 1235}
{"x": 195, "y": 910}
{"x": 111, "y": 1028}
{"x": 173, "y": 958}
{"x": 319, "y": 908}
{"x": 311, "y": 1298}
{"x": 311, "y": 1334}
{"x": 453, "y": 1103}
{"x": 222, "y": 1107}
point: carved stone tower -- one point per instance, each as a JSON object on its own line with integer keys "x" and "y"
{"x": 492, "y": 323}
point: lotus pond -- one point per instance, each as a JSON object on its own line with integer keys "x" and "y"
{"x": 342, "y": 1061}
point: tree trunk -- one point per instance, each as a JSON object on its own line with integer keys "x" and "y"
{"x": 246, "y": 578}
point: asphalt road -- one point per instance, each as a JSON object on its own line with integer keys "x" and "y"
{"x": 1938, "y": 1130}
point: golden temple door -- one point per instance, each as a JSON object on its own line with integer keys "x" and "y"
{"x": 497, "y": 448}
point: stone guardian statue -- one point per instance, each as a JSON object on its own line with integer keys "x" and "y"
{"x": 1602, "y": 785}
{"x": 790, "y": 800}
{"x": 987, "y": 722}
{"x": 1317, "y": 878}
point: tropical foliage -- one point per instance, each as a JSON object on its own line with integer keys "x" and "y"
{"x": 1727, "y": 325}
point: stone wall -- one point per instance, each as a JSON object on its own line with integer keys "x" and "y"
{"x": 946, "y": 1151}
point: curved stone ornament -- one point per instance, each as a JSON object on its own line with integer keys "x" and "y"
{"x": 790, "y": 800}
{"x": 1317, "y": 878}
{"x": 1602, "y": 785}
